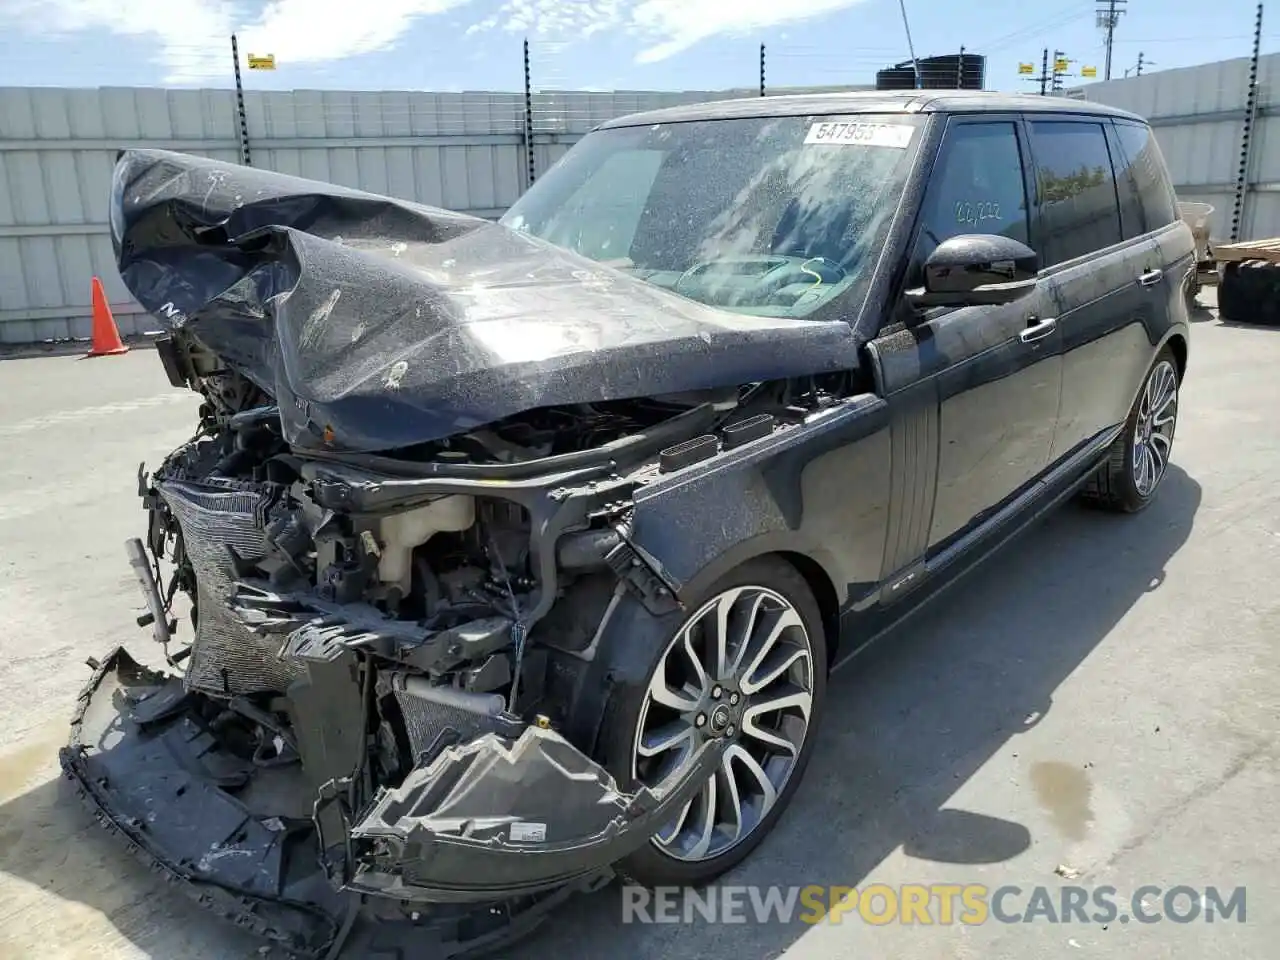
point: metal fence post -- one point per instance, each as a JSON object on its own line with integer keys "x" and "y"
{"x": 528, "y": 115}
{"x": 1246, "y": 135}
{"x": 244, "y": 123}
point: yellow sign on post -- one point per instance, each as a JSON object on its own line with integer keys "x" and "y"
{"x": 1027, "y": 68}
{"x": 264, "y": 62}
{"x": 1061, "y": 64}
{"x": 1090, "y": 72}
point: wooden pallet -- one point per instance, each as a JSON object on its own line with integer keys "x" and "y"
{"x": 1248, "y": 250}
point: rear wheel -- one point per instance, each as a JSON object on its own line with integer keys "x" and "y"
{"x": 748, "y": 666}
{"x": 1139, "y": 457}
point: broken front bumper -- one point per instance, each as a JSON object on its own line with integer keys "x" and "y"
{"x": 505, "y": 825}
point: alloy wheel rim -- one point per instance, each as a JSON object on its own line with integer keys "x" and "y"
{"x": 740, "y": 669}
{"x": 1153, "y": 432}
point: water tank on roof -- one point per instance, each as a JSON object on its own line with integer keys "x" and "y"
{"x": 957, "y": 71}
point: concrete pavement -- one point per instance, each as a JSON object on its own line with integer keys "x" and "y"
{"x": 1103, "y": 697}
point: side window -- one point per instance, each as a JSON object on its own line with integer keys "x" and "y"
{"x": 1146, "y": 166}
{"x": 1075, "y": 189}
{"x": 976, "y": 186}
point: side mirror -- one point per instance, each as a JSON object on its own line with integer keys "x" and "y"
{"x": 975, "y": 269}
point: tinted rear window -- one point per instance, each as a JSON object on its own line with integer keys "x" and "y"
{"x": 1146, "y": 165}
{"x": 1075, "y": 189}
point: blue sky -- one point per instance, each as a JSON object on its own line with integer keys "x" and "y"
{"x": 594, "y": 44}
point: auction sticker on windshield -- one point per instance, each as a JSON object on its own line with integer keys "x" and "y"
{"x": 896, "y": 135}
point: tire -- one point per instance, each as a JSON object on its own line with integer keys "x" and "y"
{"x": 656, "y": 864}
{"x": 1250, "y": 293}
{"x": 1121, "y": 485}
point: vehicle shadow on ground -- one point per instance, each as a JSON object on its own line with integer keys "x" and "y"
{"x": 1247, "y": 326}
{"x": 906, "y": 724}
{"x": 1199, "y": 313}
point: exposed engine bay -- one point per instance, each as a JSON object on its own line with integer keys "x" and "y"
{"x": 381, "y": 697}
{"x": 382, "y": 652}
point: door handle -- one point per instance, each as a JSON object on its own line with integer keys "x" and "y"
{"x": 1151, "y": 278}
{"x": 1038, "y": 331}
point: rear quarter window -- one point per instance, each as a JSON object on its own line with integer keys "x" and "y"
{"x": 1075, "y": 189}
{"x": 1146, "y": 166}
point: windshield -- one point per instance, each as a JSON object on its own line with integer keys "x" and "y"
{"x": 776, "y": 216}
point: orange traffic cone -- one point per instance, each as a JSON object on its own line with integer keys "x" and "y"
{"x": 106, "y": 336}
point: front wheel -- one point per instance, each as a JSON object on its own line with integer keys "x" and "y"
{"x": 1139, "y": 457}
{"x": 748, "y": 666}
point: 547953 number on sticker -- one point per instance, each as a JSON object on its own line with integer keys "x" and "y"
{"x": 896, "y": 135}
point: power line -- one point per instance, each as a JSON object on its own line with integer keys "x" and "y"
{"x": 1057, "y": 20}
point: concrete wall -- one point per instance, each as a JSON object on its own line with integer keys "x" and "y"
{"x": 463, "y": 151}
{"x": 1198, "y": 114}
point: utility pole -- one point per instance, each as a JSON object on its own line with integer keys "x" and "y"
{"x": 1059, "y": 70}
{"x": 911, "y": 47}
{"x": 1024, "y": 71}
{"x": 1109, "y": 12}
{"x": 1143, "y": 63}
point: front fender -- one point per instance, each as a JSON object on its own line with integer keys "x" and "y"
{"x": 819, "y": 489}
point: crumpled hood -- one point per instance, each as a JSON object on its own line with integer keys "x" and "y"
{"x": 388, "y": 323}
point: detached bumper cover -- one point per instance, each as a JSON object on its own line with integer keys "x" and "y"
{"x": 499, "y": 827}
{"x": 150, "y": 773}
{"x": 489, "y": 820}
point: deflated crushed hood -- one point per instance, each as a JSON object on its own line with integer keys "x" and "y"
{"x": 387, "y": 323}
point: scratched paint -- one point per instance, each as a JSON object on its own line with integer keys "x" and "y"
{"x": 314, "y": 327}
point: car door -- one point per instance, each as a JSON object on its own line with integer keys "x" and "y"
{"x": 1101, "y": 271}
{"x": 973, "y": 391}
{"x": 1152, "y": 208}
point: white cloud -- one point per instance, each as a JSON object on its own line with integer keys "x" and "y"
{"x": 667, "y": 27}
{"x": 677, "y": 25}
{"x": 186, "y": 31}
{"x": 558, "y": 18}
{"x": 310, "y": 31}
{"x": 191, "y": 36}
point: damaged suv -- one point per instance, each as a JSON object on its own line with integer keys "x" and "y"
{"x": 515, "y": 555}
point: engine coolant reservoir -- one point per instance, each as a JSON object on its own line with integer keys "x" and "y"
{"x": 401, "y": 533}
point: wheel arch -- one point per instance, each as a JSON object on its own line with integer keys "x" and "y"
{"x": 813, "y": 566}
{"x": 629, "y": 634}
{"x": 824, "y": 592}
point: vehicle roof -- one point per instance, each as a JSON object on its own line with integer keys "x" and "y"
{"x": 869, "y": 101}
